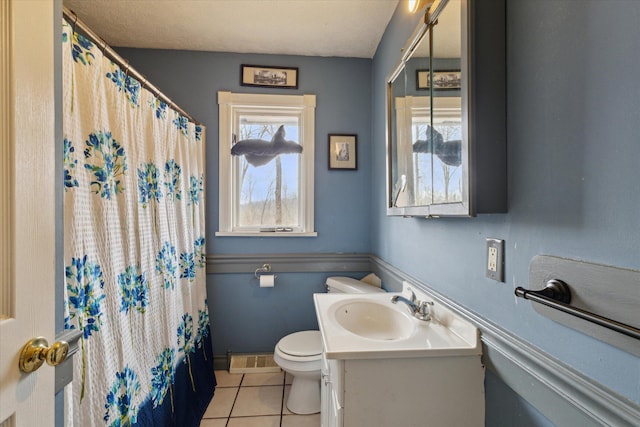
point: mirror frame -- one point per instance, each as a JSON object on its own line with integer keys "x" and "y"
{"x": 425, "y": 28}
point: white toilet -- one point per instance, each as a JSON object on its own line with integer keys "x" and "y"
{"x": 300, "y": 353}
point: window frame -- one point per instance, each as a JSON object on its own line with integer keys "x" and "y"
{"x": 303, "y": 106}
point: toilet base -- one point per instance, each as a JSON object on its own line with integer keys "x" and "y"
{"x": 304, "y": 396}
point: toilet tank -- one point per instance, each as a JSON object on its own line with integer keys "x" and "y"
{"x": 349, "y": 285}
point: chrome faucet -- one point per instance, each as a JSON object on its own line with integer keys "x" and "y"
{"x": 418, "y": 309}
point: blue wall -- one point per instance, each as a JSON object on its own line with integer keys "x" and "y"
{"x": 573, "y": 159}
{"x": 343, "y": 96}
{"x": 249, "y": 319}
{"x": 573, "y": 129}
{"x": 244, "y": 317}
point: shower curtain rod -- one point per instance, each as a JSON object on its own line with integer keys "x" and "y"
{"x": 114, "y": 56}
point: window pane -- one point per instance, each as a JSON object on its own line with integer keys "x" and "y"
{"x": 422, "y": 157}
{"x": 267, "y": 181}
{"x": 447, "y": 174}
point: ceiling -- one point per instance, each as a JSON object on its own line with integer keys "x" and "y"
{"x": 345, "y": 28}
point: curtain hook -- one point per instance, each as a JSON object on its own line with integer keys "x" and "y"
{"x": 73, "y": 34}
{"x": 126, "y": 71}
{"x": 75, "y": 21}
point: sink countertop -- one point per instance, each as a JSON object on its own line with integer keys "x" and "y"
{"x": 427, "y": 338}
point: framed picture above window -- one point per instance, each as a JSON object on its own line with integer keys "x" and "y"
{"x": 342, "y": 151}
{"x": 442, "y": 80}
{"x": 276, "y": 77}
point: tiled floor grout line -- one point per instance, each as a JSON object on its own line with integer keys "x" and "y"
{"x": 284, "y": 387}
{"x": 234, "y": 401}
{"x": 243, "y": 384}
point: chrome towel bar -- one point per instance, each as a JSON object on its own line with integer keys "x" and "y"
{"x": 557, "y": 295}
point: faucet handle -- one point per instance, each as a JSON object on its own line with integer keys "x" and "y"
{"x": 424, "y": 304}
{"x": 423, "y": 312}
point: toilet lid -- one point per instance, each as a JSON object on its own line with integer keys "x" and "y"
{"x": 305, "y": 343}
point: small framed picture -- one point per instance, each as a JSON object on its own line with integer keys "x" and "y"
{"x": 277, "y": 77}
{"x": 442, "y": 80}
{"x": 422, "y": 79}
{"x": 343, "y": 152}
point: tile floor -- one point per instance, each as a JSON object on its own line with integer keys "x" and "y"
{"x": 253, "y": 400}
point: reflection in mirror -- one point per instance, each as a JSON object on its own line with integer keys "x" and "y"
{"x": 426, "y": 132}
{"x": 409, "y": 111}
{"x": 418, "y": 120}
{"x": 447, "y": 113}
{"x": 400, "y": 164}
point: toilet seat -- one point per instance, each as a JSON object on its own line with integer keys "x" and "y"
{"x": 304, "y": 344}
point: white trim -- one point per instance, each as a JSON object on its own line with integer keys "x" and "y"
{"x": 224, "y": 167}
{"x": 265, "y": 234}
{"x": 6, "y": 162}
{"x": 301, "y": 105}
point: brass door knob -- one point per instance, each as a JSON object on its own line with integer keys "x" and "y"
{"x": 37, "y": 351}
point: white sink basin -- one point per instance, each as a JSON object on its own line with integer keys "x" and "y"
{"x": 369, "y": 326}
{"x": 373, "y": 320}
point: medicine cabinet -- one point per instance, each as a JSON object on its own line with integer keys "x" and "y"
{"x": 446, "y": 127}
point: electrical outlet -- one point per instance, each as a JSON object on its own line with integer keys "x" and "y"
{"x": 492, "y": 264}
{"x": 495, "y": 259}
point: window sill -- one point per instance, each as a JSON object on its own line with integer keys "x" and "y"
{"x": 265, "y": 234}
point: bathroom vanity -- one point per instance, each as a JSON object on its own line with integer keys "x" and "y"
{"x": 383, "y": 367}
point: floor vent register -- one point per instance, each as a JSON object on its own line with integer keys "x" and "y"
{"x": 253, "y": 363}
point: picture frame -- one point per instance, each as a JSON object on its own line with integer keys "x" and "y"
{"x": 442, "y": 80}
{"x": 343, "y": 151}
{"x": 269, "y": 76}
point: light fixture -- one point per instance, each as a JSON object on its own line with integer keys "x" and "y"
{"x": 416, "y": 5}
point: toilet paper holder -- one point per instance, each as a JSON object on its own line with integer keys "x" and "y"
{"x": 266, "y": 268}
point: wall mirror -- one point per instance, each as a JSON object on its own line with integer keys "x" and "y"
{"x": 427, "y": 118}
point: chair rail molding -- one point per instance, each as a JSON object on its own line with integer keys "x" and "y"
{"x": 289, "y": 263}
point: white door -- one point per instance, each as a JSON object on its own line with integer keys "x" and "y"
{"x": 27, "y": 205}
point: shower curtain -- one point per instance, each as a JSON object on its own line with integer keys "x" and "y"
{"x": 134, "y": 249}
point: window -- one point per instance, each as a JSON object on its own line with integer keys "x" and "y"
{"x": 266, "y": 164}
{"x": 440, "y": 167}
{"x": 430, "y": 154}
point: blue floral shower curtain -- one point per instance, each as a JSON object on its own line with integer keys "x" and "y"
{"x": 134, "y": 249}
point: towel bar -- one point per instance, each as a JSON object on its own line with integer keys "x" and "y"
{"x": 557, "y": 295}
